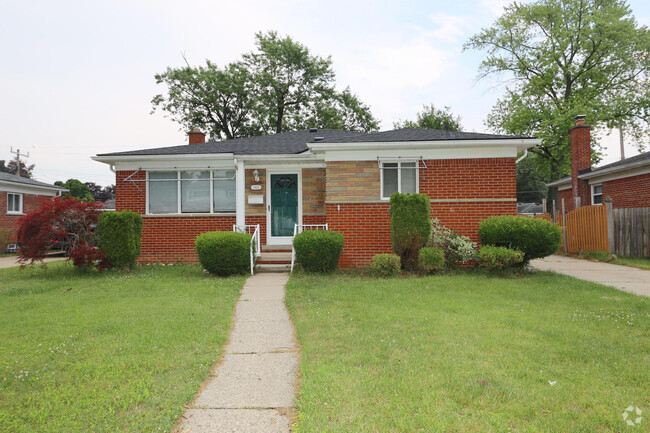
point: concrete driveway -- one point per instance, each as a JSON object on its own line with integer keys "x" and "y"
{"x": 8, "y": 262}
{"x": 624, "y": 278}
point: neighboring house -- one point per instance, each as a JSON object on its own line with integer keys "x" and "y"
{"x": 341, "y": 178}
{"x": 627, "y": 181}
{"x": 20, "y": 196}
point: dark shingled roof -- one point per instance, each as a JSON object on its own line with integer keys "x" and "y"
{"x": 287, "y": 143}
{"x": 623, "y": 162}
{"x": 418, "y": 134}
{"x": 8, "y": 177}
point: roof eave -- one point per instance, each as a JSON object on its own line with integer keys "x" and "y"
{"x": 520, "y": 143}
{"x": 616, "y": 169}
{"x": 111, "y": 159}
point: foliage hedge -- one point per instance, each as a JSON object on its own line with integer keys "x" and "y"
{"x": 431, "y": 259}
{"x": 385, "y": 265}
{"x": 534, "y": 237}
{"x": 318, "y": 250}
{"x": 410, "y": 228}
{"x": 118, "y": 236}
{"x": 497, "y": 259}
{"x": 224, "y": 253}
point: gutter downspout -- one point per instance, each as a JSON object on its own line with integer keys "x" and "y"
{"x": 522, "y": 157}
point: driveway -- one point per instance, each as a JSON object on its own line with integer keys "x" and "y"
{"x": 624, "y": 278}
{"x": 8, "y": 262}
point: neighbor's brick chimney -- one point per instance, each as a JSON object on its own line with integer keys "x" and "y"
{"x": 580, "y": 162}
{"x": 196, "y": 136}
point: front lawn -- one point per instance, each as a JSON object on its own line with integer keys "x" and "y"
{"x": 544, "y": 353}
{"x": 112, "y": 352}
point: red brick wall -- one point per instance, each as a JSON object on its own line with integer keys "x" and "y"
{"x": 31, "y": 202}
{"x": 462, "y": 191}
{"x": 567, "y": 195}
{"x": 633, "y": 191}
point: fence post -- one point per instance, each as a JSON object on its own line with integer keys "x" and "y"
{"x": 610, "y": 225}
{"x": 566, "y": 246}
{"x": 553, "y": 214}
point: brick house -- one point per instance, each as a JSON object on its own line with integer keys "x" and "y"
{"x": 20, "y": 196}
{"x": 314, "y": 176}
{"x": 627, "y": 181}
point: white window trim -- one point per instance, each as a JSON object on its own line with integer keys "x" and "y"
{"x": 179, "y": 211}
{"x": 399, "y": 175}
{"x": 20, "y": 207}
{"x": 593, "y": 195}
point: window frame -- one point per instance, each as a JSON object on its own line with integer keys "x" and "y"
{"x": 593, "y": 194}
{"x": 179, "y": 191}
{"x": 399, "y": 175}
{"x": 20, "y": 203}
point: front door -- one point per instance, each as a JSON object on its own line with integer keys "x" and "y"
{"x": 283, "y": 207}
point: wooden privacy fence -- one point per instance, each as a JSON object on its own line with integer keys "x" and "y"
{"x": 601, "y": 228}
{"x": 632, "y": 232}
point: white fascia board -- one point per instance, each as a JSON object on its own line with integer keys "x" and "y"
{"x": 23, "y": 188}
{"x": 302, "y": 160}
{"x": 403, "y": 153}
{"x": 196, "y": 162}
{"x": 520, "y": 144}
{"x": 607, "y": 175}
{"x": 148, "y": 158}
{"x": 634, "y": 169}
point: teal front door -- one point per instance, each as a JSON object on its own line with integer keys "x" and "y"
{"x": 284, "y": 204}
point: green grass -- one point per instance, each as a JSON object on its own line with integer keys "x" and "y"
{"x": 543, "y": 353}
{"x": 112, "y": 352}
{"x": 637, "y": 262}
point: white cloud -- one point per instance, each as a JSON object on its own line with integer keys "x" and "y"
{"x": 495, "y": 6}
{"x": 450, "y": 28}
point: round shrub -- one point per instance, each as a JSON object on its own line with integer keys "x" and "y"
{"x": 318, "y": 250}
{"x": 534, "y": 237}
{"x": 498, "y": 258}
{"x": 224, "y": 253}
{"x": 118, "y": 236}
{"x": 431, "y": 259}
{"x": 385, "y": 265}
{"x": 410, "y": 228}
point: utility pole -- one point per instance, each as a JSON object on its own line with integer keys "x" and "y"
{"x": 18, "y": 155}
{"x": 620, "y": 136}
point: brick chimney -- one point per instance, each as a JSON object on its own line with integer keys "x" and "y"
{"x": 580, "y": 162}
{"x": 196, "y": 136}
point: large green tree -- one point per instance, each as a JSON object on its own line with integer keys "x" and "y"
{"x": 279, "y": 87}
{"x": 561, "y": 58}
{"x": 432, "y": 118}
{"x": 76, "y": 189}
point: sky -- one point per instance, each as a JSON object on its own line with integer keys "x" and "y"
{"x": 77, "y": 77}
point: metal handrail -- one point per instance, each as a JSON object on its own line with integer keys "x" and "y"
{"x": 299, "y": 228}
{"x": 255, "y": 240}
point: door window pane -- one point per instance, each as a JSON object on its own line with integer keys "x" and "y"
{"x": 390, "y": 171}
{"x": 195, "y": 191}
{"x": 224, "y": 190}
{"x": 163, "y": 192}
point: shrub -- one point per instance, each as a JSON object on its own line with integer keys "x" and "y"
{"x": 385, "y": 265}
{"x": 431, "y": 259}
{"x": 498, "y": 258}
{"x": 318, "y": 250}
{"x": 601, "y": 256}
{"x": 532, "y": 236}
{"x": 410, "y": 228}
{"x": 224, "y": 253}
{"x": 118, "y": 235}
{"x": 458, "y": 249}
{"x": 61, "y": 222}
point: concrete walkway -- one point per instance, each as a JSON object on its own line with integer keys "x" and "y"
{"x": 624, "y": 278}
{"x": 9, "y": 262}
{"x": 253, "y": 388}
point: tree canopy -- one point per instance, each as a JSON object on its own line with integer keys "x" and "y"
{"x": 279, "y": 87}
{"x": 11, "y": 167}
{"x": 76, "y": 189}
{"x": 562, "y": 58}
{"x": 432, "y": 118}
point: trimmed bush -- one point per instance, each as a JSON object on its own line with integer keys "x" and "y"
{"x": 431, "y": 259}
{"x": 224, "y": 253}
{"x": 385, "y": 265}
{"x": 458, "y": 249}
{"x": 410, "y": 228}
{"x": 318, "y": 250}
{"x": 532, "y": 236}
{"x": 118, "y": 236}
{"x": 498, "y": 258}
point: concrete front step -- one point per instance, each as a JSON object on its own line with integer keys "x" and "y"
{"x": 276, "y": 248}
{"x": 272, "y": 267}
{"x": 275, "y": 257}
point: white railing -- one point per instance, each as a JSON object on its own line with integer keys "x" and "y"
{"x": 254, "y": 231}
{"x": 299, "y": 228}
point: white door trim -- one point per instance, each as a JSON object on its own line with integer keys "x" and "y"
{"x": 281, "y": 240}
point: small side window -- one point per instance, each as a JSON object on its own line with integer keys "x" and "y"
{"x": 14, "y": 203}
{"x": 596, "y": 194}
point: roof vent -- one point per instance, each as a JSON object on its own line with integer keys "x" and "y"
{"x": 319, "y": 138}
{"x": 313, "y": 130}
